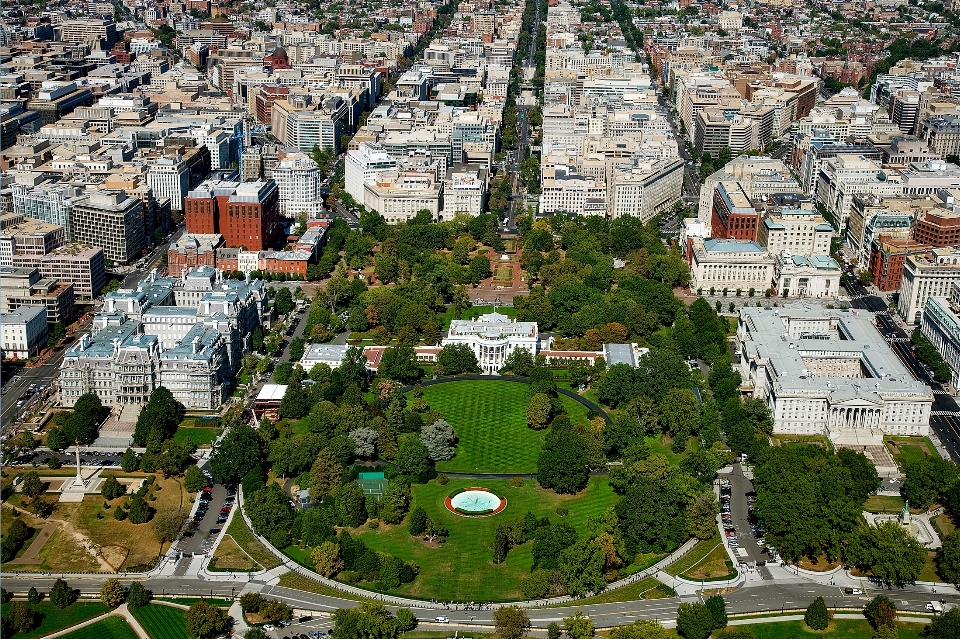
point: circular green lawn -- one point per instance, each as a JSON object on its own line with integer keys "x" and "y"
{"x": 490, "y": 419}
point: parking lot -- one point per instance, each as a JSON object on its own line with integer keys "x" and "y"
{"x": 743, "y": 534}
{"x": 310, "y": 628}
{"x": 209, "y": 519}
{"x": 89, "y": 458}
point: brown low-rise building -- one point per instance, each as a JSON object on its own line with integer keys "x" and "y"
{"x": 26, "y": 287}
{"x": 193, "y": 250}
{"x": 938, "y": 227}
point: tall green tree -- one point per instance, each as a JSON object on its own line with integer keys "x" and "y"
{"x": 694, "y": 621}
{"x": 511, "y": 622}
{"x": 160, "y": 418}
{"x": 563, "y": 465}
{"x": 205, "y": 620}
{"x": 888, "y": 551}
{"x": 241, "y": 450}
{"x": 84, "y": 423}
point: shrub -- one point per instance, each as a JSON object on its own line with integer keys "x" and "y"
{"x": 442, "y": 479}
{"x": 373, "y": 524}
{"x": 418, "y": 521}
{"x": 119, "y": 513}
{"x": 562, "y": 511}
{"x": 816, "y": 616}
{"x": 517, "y": 482}
{"x": 33, "y": 596}
{"x": 62, "y": 595}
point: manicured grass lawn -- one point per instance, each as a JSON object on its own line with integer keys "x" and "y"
{"x": 911, "y": 449}
{"x": 109, "y": 628}
{"x": 162, "y": 622}
{"x": 490, "y": 420}
{"x": 297, "y": 581}
{"x": 909, "y": 454}
{"x": 853, "y": 628}
{"x": 929, "y": 572}
{"x": 250, "y": 545}
{"x": 189, "y": 601}
{"x": 692, "y": 558}
{"x": 715, "y": 566}
{"x": 53, "y": 619}
{"x": 883, "y": 504}
{"x": 229, "y": 556}
{"x": 647, "y": 588}
{"x": 200, "y": 436}
{"x": 462, "y": 569}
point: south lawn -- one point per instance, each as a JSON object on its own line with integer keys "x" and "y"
{"x": 489, "y": 417}
{"x": 462, "y": 569}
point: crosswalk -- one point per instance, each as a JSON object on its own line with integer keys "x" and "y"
{"x": 944, "y": 413}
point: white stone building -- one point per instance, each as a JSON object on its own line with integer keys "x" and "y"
{"x": 941, "y": 325}
{"x": 829, "y": 372}
{"x": 399, "y": 195}
{"x": 565, "y": 191}
{"x": 24, "y": 332}
{"x": 362, "y": 165}
{"x": 932, "y": 274}
{"x": 848, "y": 175}
{"x": 298, "y": 179}
{"x": 169, "y": 178}
{"x": 806, "y": 275}
{"x": 729, "y": 265}
{"x": 492, "y": 337}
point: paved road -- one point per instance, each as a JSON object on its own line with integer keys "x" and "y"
{"x": 195, "y": 542}
{"x": 131, "y": 280}
{"x": 42, "y": 376}
{"x": 740, "y": 488}
{"x": 770, "y": 597}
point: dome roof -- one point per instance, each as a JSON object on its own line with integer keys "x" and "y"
{"x": 280, "y": 52}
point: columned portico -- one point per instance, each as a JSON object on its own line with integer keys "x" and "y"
{"x": 859, "y": 417}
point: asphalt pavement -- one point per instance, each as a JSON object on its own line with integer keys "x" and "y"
{"x": 195, "y": 542}
{"x": 740, "y": 489}
{"x": 770, "y": 597}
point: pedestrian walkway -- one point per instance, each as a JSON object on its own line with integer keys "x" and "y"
{"x": 240, "y": 626}
{"x": 122, "y": 611}
{"x": 31, "y": 555}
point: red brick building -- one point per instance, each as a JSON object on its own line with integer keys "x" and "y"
{"x": 266, "y": 96}
{"x": 277, "y": 59}
{"x": 202, "y": 206}
{"x": 733, "y": 215}
{"x": 193, "y": 250}
{"x": 251, "y": 218}
{"x": 887, "y": 257}
{"x": 287, "y": 262}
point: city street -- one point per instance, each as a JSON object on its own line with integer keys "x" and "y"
{"x": 768, "y": 597}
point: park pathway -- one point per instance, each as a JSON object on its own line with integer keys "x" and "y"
{"x": 31, "y": 555}
{"x": 122, "y": 611}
